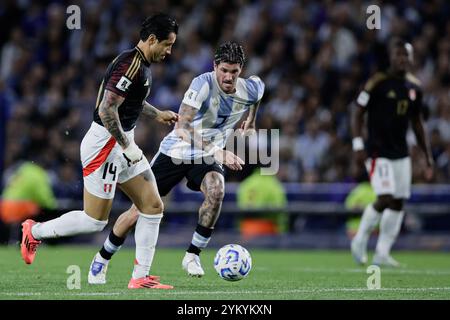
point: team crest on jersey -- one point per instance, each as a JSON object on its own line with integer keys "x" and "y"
{"x": 412, "y": 94}
{"x": 107, "y": 187}
{"x": 215, "y": 101}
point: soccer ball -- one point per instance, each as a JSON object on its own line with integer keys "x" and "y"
{"x": 233, "y": 262}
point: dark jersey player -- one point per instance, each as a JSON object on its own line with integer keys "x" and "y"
{"x": 110, "y": 156}
{"x": 392, "y": 100}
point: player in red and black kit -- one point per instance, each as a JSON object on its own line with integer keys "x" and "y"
{"x": 391, "y": 100}
{"x": 110, "y": 156}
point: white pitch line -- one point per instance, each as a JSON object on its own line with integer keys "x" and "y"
{"x": 383, "y": 270}
{"x": 320, "y": 290}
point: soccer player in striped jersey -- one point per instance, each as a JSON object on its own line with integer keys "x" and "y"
{"x": 110, "y": 156}
{"x": 212, "y": 106}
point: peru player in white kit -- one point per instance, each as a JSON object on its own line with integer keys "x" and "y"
{"x": 110, "y": 156}
{"x": 212, "y": 106}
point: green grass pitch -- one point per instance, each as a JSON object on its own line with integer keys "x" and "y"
{"x": 276, "y": 274}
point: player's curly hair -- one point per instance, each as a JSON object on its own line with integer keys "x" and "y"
{"x": 230, "y": 52}
{"x": 160, "y": 24}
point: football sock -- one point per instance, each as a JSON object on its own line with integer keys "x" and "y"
{"x": 390, "y": 225}
{"x": 146, "y": 236}
{"x": 69, "y": 224}
{"x": 200, "y": 239}
{"x": 112, "y": 244}
{"x": 369, "y": 221}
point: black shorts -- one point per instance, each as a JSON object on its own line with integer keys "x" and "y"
{"x": 168, "y": 174}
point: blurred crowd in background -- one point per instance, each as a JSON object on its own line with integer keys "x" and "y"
{"x": 314, "y": 57}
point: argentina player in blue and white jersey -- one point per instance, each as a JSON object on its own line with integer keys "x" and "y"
{"x": 217, "y": 104}
{"x": 212, "y": 106}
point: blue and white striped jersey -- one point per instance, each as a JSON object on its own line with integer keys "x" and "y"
{"x": 218, "y": 113}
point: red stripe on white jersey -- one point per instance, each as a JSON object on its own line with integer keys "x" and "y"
{"x": 372, "y": 168}
{"x": 100, "y": 158}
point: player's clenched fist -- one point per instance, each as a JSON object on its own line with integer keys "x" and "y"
{"x": 167, "y": 117}
{"x": 132, "y": 153}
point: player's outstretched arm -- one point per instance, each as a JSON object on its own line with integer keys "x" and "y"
{"x": 185, "y": 130}
{"x": 167, "y": 117}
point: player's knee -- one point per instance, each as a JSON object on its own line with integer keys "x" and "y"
{"x": 90, "y": 224}
{"x": 216, "y": 194}
{"x": 152, "y": 207}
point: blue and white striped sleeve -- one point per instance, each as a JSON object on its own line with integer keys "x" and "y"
{"x": 198, "y": 92}
{"x": 255, "y": 87}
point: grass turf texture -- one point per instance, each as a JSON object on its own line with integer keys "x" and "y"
{"x": 276, "y": 274}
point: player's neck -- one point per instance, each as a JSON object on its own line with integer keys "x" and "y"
{"x": 140, "y": 47}
{"x": 397, "y": 73}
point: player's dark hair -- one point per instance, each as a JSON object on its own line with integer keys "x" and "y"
{"x": 160, "y": 24}
{"x": 230, "y": 52}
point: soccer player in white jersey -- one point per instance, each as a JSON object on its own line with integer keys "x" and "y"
{"x": 213, "y": 104}
{"x": 110, "y": 156}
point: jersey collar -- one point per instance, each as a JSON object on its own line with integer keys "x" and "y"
{"x": 141, "y": 54}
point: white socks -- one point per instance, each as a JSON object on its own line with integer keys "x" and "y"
{"x": 69, "y": 224}
{"x": 146, "y": 236}
{"x": 369, "y": 221}
{"x": 390, "y": 225}
{"x": 200, "y": 241}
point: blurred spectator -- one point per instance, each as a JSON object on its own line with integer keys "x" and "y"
{"x": 262, "y": 191}
{"x": 27, "y": 191}
{"x": 312, "y": 55}
{"x": 311, "y": 147}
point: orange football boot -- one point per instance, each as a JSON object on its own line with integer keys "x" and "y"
{"x": 29, "y": 243}
{"x": 147, "y": 283}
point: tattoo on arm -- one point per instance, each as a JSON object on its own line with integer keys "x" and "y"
{"x": 185, "y": 130}
{"x": 109, "y": 114}
{"x": 150, "y": 110}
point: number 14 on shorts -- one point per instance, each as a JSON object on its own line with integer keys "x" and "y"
{"x": 108, "y": 170}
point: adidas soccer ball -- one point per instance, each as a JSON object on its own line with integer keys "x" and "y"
{"x": 233, "y": 262}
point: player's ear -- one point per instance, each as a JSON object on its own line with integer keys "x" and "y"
{"x": 151, "y": 40}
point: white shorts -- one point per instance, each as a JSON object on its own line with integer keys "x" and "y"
{"x": 390, "y": 177}
{"x": 104, "y": 164}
